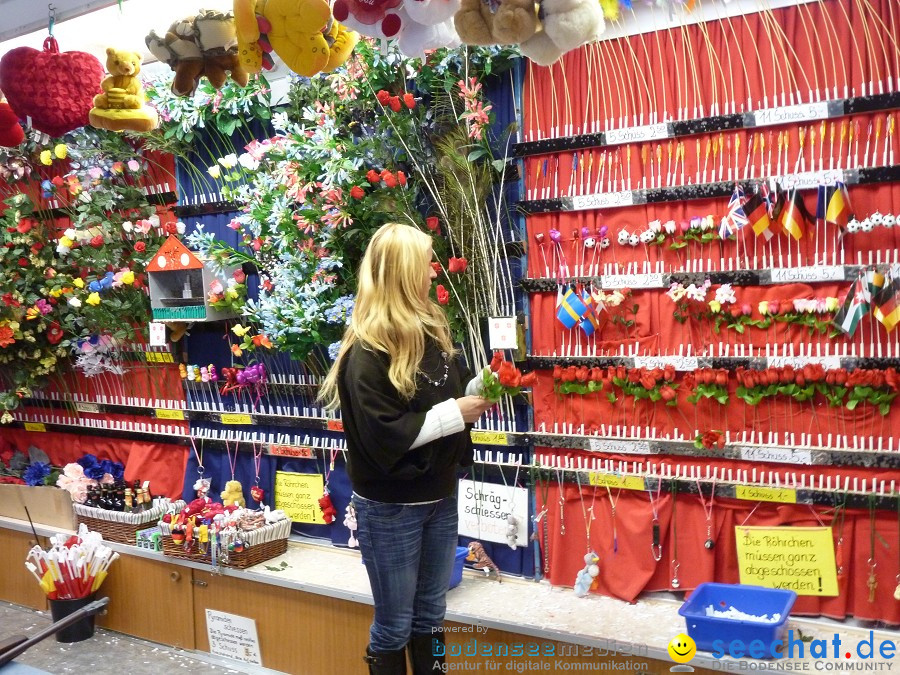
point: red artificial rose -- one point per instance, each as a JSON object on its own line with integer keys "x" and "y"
{"x": 508, "y": 374}
{"x": 390, "y": 180}
{"x": 582, "y": 374}
{"x": 596, "y": 375}
{"x": 557, "y": 371}
{"x": 401, "y": 178}
{"x": 735, "y": 311}
{"x": 54, "y": 333}
{"x": 890, "y": 378}
{"x": 689, "y": 381}
{"x": 10, "y": 229}
{"x": 877, "y": 378}
{"x": 24, "y": 226}
{"x": 268, "y": 285}
{"x": 840, "y": 377}
{"x": 140, "y": 247}
{"x": 829, "y": 377}
{"x": 528, "y": 380}
{"x": 787, "y": 375}
{"x": 23, "y": 262}
{"x": 772, "y": 376}
{"x": 443, "y": 295}
{"x": 58, "y": 181}
{"x": 800, "y": 380}
{"x": 97, "y": 241}
{"x": 634, "y": 375}
{"x": 36, "y": 247}
{"x": 171, "y": 228}
{"x": 667, "y": 393}
{"x": 621, "y": 373}
{"x": 239, "y": 275}
{"x": 383, "y": 97}
{"x": 647, "y": 381}
{"x": 774, "y": 306}
{"x": 436, "y": 266}
{"x": 409, "y": 100}
{"x": 669, "y": 373}
{"x": 373, "y": 176}
{"x": 433, "y": 224}
{"x": 457, "y": 265}
{"x": 394, "y": 103}
{"x": 569, "y": 374}
{"x": 496, "y": 360}
{"x": 357, "y": 192}
{"x": 721, "y": 378}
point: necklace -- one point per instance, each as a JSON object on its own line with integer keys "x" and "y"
{"x": 541, "y": 522}
{"x": 655, "y": 546}
{"x": 708, "y": 510}
{"x": 440, "y": 382}
{"x": 587, "y": 515}
{"x": 675, "y": 564}
{"x": 562, "y": 505}
{"x": 872, "y": 581}
{"x": 612, "y": 505}
{"x": 512, "y": 523}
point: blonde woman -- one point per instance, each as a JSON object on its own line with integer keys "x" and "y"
{"x": 402, "y": 392}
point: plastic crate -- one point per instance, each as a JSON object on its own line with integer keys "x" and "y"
{"x": 456, "y": 576}
{"x": 754, "y": 600}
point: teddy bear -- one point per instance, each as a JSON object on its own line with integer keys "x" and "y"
{"x": 233, "y": 494}
{"x": 303, "y": 33}
{"x": 565, "y": 25}
{"x": 121, "y": 105}
{"x": 585, "y": 580}
{"x": 202, "y": 45}
{"x": 496, "y": 22}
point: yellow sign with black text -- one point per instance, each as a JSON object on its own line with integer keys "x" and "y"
{"x": 800, "y": 559}
{"x": 298, "y": 494}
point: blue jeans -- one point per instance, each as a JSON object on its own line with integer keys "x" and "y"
{"x": 409, "y": 552}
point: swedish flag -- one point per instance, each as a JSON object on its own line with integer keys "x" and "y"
{"x": 571, "y": 309}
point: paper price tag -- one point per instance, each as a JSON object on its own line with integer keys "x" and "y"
{"x": 168, "y": 414}
{"x": 809, "y": 180}
{"x": 603, "y": 200}
{"x": 236, "y": 418}
{"x": 613, "y": 481}
{"x": 782, "y": 455}
{"x": 756, "y": 493}
{"x": 648, "y": 132}
{"x": 611, "y": 281}
{"x": 827, "y": 362}
{"x": 784, "y": 275}
{"x": 35, "y": 426}
{"x": 335, "y": 425}
{"x": 614, "y": 446}
{"x": 791, "y": 114}
{"x": 489, "y": 437}
{"x": 81, "y": 406}
{"x": 157, "y": 334}
{"x": 299, "y": 451}
{"x": 680, "y": 363}
{"x": 502, "y": 332}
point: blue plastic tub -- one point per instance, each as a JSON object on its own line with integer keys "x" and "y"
{"x": 456, "y": 577}
{"x": 754, "y": 600}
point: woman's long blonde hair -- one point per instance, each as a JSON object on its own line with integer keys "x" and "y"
{"x": 390, "y": 314}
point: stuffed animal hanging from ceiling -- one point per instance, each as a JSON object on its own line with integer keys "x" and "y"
{"x": 121, "y": 105}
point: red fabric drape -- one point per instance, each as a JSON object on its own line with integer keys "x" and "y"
{"x": 681, "y": 73}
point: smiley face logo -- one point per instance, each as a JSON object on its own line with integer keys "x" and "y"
{"x": 682, "y": 648}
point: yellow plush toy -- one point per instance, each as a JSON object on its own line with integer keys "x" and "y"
{"x": 301, "y": 32}
{"x": 121, "y": 105}
{"x": 233, "y": 494}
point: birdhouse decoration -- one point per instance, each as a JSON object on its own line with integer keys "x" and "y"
{"x": 178, "y": 279}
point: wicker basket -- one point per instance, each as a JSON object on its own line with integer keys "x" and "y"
{"x": 263, "y": 544}
{"x": 119, "y": 527}
{"x": 250, "y": 556}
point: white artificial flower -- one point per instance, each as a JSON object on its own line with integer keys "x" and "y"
{"x": 249, "y": 162}
{"x": 655, "y": 226}
{"x": 74, "y": 302}
{"x": 214, "y": 171}
{"x": 180, "y": 227}
{"x": 85, "y": 196}
{"x": 127, "y": 226}
{"x": 676, "y": 292}
{"x": 695, "y": 293}
{"x": 70, "y": 233}
{"x": 228, "y": 161}
{"x": 725, "y": 294}
{"x": 669, "y": 226}
{"x": 154, "y": 220}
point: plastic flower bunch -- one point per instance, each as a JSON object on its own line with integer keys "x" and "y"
{"x": 503, "y": 378}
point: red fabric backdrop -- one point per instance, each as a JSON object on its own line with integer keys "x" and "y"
{"x": 813, "y": 46}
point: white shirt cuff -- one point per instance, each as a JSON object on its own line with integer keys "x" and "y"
{"x": 444, "y": 419}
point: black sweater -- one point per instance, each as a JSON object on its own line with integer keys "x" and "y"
{"x": 380, "y": 427}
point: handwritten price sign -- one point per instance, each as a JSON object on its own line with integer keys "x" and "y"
{"x": 603, "y": 200}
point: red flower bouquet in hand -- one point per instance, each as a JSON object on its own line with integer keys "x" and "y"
{"x": 502, "y": 377}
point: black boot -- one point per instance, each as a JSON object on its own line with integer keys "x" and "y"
{"x": 386, "y": 663}
{"x": 427, "y": 653}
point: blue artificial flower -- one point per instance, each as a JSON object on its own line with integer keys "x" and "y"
{"x": 94, "y": 472}
{"x": 107, "y": 466}
{"x": 36, "y": 473}
{"x": 333, "y": 349}
{"x": 87, "y": 461}
{"x": 46, "y": 189}
{"x": 118, "y": 471}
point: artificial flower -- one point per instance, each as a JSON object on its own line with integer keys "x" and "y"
{"x": 61, "y": 151}
{"x": 239, "y": 276}
{"x": 763, "y": 307}
{"x": 140, "y": 247}
{"x": 357, "y": 192}
{"x": 433, "y": 224}
{"x": 409, "y": 100}
{"x": 214, "y": 171}
{"x": 715, "y": 306}
{"x": 443, "y": 295}
{"x": 373, "y": 176}
{"x": 228, "y": 161}
{"x": 78, "y": 282}
{"x": 46, "y": 158}
{"x": 54, "y": 333}
{"x": 7, "y": 335}
{"x": 128, "y": 278}
{"x": 93, "y": 299}
{"x": 133, "y": 165}
{"x": 236, "y": 350}
{"x": 240, "y": 331}
{"x": 261, "y": 341}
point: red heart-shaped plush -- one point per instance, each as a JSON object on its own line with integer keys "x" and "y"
{"x": 55, "y": 89}
{"x": 11, "y": 133}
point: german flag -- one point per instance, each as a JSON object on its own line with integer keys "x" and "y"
{"x": 887, "y": 302}
{"x": 794, "y": 215}
{"x": 838, "y": 211}
{"x": 757, "y": 210}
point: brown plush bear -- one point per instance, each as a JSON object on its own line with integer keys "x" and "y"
{"x": 121, "y": 105}
{"x": 491, "y": 22}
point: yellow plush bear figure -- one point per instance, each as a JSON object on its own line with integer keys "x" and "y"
{"x": 233, "y": 494}
{"x": 121, "y": 105}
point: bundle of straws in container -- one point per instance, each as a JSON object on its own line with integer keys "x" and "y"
{"x": 74, "y": 567}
